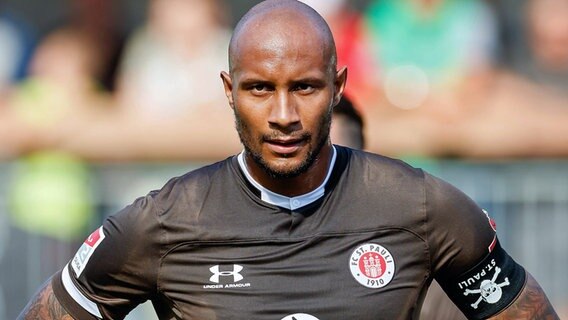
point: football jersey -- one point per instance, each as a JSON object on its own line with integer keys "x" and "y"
{"x": 209, "y": 246}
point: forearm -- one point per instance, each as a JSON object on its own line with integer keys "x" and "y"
{"x": 532, "y": 303}
{"x": 44, "y": 306}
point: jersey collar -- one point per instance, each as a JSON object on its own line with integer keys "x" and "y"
{"x": 291, "y": 203}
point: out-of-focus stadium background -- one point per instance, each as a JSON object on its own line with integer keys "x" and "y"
{"x": 102, "y": 101}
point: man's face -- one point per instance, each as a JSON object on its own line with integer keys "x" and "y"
{"x": 282, "y": 92}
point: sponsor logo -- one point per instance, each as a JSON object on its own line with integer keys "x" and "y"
{"x": 235, "y": 273}
{"x": 489, "y": 291}
{"x": 372, "y": 265}
{"x": 300, "y": 316}
{"x": 86, "y": 250}
{"x": 232, "y": 276}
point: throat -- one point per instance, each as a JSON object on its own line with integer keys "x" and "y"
{"x": 308, "y": 184}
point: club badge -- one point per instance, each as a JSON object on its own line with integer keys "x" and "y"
{"x": 372, "y": 265}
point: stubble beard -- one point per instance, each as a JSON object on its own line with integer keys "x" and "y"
{"x": 285, "y": 173}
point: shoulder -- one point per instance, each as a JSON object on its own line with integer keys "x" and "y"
{"x": 383, "y": 167}
{"x": 383, "y": 182}
{"x": 377, "y": 160}
{"x": 193, "y": 184}
{"x": 177, "y": 204}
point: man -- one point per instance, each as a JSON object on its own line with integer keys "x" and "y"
{"x": 293, "y": 227}
{"x": 347, "y": 125}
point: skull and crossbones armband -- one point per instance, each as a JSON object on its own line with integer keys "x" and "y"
{"x": 489, "y": 287}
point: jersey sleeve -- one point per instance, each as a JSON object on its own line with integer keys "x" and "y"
{"x": 116, "y": 267}
{"x": 467, "y": 259}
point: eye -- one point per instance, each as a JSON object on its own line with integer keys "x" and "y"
{"x": 304, "y": 88}
{"x": 259, "y": 88}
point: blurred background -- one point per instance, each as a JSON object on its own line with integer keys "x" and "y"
{"x": 102, "y": 101}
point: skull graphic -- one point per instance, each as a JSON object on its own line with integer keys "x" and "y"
{"x": 489, "y": 291}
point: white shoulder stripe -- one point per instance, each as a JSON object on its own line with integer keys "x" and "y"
{"x": 83, "y": 301}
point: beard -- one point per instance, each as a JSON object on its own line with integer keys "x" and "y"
{"x": 249, "y": 144}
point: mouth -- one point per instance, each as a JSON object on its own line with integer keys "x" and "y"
{"x": 285, "y": 146}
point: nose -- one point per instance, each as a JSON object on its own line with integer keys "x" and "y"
{"x": 284, "y": 111}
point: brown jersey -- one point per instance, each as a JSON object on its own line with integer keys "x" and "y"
{"x": 206, "y": 246}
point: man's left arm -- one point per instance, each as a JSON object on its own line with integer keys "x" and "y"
{"x": 476, "y": 273}
{"x": 531, "y": 303}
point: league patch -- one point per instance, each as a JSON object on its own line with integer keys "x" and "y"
{"x": 372, "y": 265}
{"x": 491, "y": 221}
{"x": 489, "y": 287}
{"x": 494, "y": 227}
{"x": 84, "y": 253}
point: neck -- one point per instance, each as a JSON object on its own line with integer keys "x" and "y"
{"x": 301, "y": 184}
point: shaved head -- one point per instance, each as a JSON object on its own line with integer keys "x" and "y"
{"x": 282, "y": 85}
{"x": 282, "y": 23}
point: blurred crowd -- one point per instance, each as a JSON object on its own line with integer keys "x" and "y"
{"x": 431, "y": 78}
{"x": 469, "y": 79}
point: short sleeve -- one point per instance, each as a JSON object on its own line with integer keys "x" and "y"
{"x": 116, "y": 267}
{"x": 459, "y": 231}
{"x": 467, "y": 259}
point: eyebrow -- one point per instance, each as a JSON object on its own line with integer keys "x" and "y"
{"x": 255, "y": 79}
{"x": 309, "y": 80}
{"x": 252, "y": 80}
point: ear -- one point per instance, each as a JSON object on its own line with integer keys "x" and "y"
{"x": 228, "y": 84}
{"x": 340, "y": 81}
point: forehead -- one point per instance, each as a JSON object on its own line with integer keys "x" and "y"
{"x": 280, "y": 53}
{"x": 281, "y": 40}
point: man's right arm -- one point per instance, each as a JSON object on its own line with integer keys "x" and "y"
{"x": 87, "y": 285}
{"x": 44, "y": 306}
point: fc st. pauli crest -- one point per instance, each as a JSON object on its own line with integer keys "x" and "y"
{"x": 372, "y": 265}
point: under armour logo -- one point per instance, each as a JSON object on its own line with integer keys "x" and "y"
{"x": 489, "y": 291}
{"x": 235, "y": 273}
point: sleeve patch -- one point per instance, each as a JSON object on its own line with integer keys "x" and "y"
{"x": 489, "y": 287}
{"x": 86, "y": 250}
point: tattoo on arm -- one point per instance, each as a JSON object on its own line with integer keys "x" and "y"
{"x": 44, "y": 306}
{"x": 532, "y": 303}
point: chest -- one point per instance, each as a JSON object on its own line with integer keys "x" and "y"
{"x": 369, "y": 274}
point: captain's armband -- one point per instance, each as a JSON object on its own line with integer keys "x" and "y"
{"x": 489, "y": 287}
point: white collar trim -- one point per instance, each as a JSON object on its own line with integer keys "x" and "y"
{"x": 290, "y": 203}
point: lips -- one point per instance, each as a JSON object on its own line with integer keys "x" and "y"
{"x": 285, "y": 146}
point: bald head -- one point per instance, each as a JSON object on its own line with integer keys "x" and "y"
{"x": 284, "y": 24}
